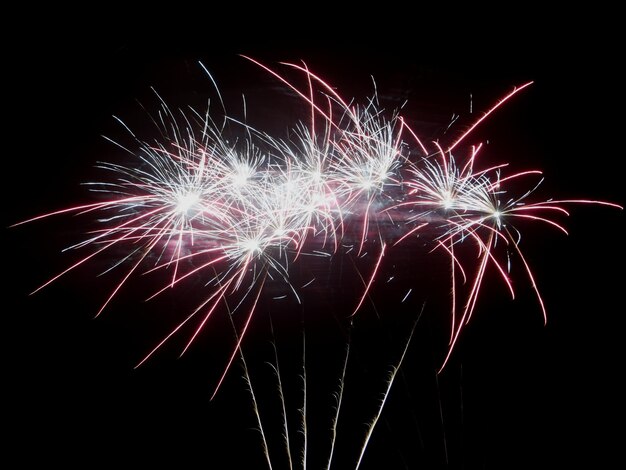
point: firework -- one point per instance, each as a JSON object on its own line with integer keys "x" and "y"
{"x": 237, "y": 211}
{"x": 288, "y": 443}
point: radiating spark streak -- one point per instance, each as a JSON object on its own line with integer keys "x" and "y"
{"x": 279, "y": 77}
{"x": 486, "y": 115}
{"x": 444, "y": 160}
{"x": 329, "y": 88}
{"x": 240, "y": 339}
{"x": 471, "y": 302}
{"x": 311, "y": 99}
{"x": 206, "y": 317}
{"x": 454, "y": 118}
{"x": 371, "y": 280}
{"x": 469, "y": 166}
{"x": 486, "y": 250}
{"x": 410, "y": 232}
{"x": 474, "y": 175}
{"x": 195, "y": 254}
{"x": 365, "y": 227}
{"x": 539, "y": 206}
{"x": 217, "y": 90}
{"x": 471, "y": 227}
{"x": 218, "y": 294}
{"x": 175, "y": 257}
{"x": 84, "y": 208}
{"x": 453, "y": 258}
{"x": 390, "y": 381}
{"x": 532, "y": 282}
{"x": 122, "y": 282}
{"x": 513, "y": 176}
{"x": 120, "y": 262}
{"x": 542, "y": 219}
{"x": 583, "y": 201}
{"x": 242, "y": 271}
{"x": 72, "y": 267}
{"x": 417, "y": 139}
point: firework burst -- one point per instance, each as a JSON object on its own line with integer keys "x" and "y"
{"x": 237, "y": 211}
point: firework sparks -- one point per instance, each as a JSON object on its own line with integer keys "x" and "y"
{"x": 237, "y": 212}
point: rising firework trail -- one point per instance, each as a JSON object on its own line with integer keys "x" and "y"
{"x": 264, "y": 425}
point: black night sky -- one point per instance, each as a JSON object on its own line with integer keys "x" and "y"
{"x": 515, "y": 394}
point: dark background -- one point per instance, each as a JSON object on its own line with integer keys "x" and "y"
{"x": 515, "y": 392}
